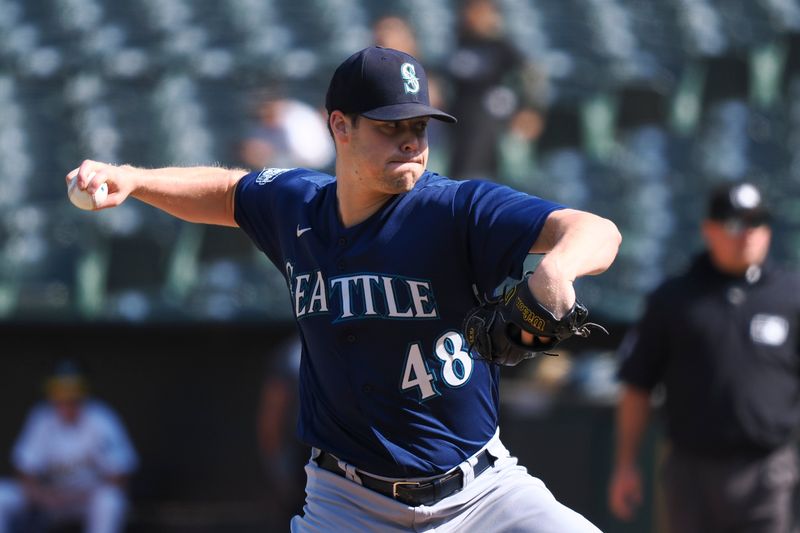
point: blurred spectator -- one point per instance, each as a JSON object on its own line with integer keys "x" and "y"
{"x": 392, "y": 31}
{"x": 73, "y": 458}
{"x": 282, "y": 454}
{"x": 488, "y": 76}
{"x": 723, "y": 341}
{"x": 288, "y": 133}
{"x": 518, "y": 157}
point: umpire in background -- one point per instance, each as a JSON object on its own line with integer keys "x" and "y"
{"x": 723, "y": 340}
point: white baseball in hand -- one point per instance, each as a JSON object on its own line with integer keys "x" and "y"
{"x": 83, "y": 199}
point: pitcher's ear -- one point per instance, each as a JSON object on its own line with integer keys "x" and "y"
{"x": 339, "y": 123}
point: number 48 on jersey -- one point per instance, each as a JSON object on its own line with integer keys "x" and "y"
{"x": 455, "y": 366}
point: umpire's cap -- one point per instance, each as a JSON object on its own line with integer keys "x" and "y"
{"x": 738, "y": 201}
{"x": 382, "y": 84}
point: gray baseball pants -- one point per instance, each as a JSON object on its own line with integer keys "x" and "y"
{"x": 504, "y": 498}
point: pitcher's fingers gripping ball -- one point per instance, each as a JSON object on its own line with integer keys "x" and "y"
{"x": 83, "y": 199}
{"x": 494, "y": 329}
{"x": 95, "y": 185}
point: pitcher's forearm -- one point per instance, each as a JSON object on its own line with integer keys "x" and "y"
{"x": 575, "y": 243}
{"x": 580, "y": 243}
{"x": 197, "y": 194}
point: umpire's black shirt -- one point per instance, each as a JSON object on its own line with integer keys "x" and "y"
{"x": 726, "y": 349}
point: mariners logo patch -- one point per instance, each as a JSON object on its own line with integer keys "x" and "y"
{"x": 410, "y": 80}
{"x": 771, "y": 330}
{"x": 269, "y": 174}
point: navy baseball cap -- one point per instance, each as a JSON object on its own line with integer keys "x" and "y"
{"x": 382, "y": 84}
{"x": 738, "y": 201}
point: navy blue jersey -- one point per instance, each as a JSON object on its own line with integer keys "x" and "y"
{"x": 386, "y": 383}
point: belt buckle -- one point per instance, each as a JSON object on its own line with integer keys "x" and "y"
{"x": 396, "y": 483}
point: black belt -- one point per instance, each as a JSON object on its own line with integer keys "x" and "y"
{"x": 412, "y": 493}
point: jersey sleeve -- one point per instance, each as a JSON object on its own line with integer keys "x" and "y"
{"x": 28, "y": 455}
{"x": 499, "y": 229}
{"x": 257, "y": 204}
{"x": 644, "y": 350}
{"x": 115, "y": 452}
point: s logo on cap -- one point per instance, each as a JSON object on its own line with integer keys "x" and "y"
{"x": 411, "y": 83}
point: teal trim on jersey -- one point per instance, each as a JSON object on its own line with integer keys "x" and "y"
{"x": 378, "y": 287}
{"x": 442, "y": 363}
{"x": 432, "y": 300}
{"x": 309, "y": 294}
{"x": 404, "y": 390}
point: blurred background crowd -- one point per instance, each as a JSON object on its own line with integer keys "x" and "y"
{"x": 632, "y": 109}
